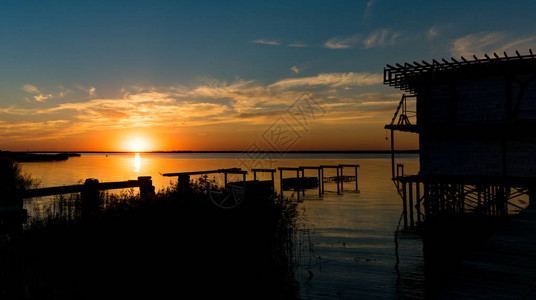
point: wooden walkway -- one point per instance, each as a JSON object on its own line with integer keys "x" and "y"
{"x": 503, "y": 268}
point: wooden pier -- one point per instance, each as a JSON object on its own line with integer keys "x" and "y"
{"x": 431, "y": 196}
{"x": 144, "y": 183}
{"x": 229, "y": 195}
{"x": 13, "y": 215}
{"x": 299, "y": 182}
{"x": 302, "y": 183}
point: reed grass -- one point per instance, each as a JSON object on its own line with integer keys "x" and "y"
{"x": 152, "y": 247}
{"x": 13, "y": 182}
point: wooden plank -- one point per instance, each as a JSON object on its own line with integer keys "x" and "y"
{"x": 49, "y": 191}
{"x": 288, "y": 169}
{"x": 264, "y": 170}
{"x": 118, "y": 185}
{"x": 78, "y": 188}
{"x": 228, "y": 171}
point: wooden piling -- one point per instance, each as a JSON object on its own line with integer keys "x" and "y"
{"x": 90, "y": 197}
{"x": 404, "y": 205}
{"x": 338, "y": 181}
{"x": 356, "y": 180}
{"x": 298, "y": 183}
{"x": 319, "y": 183}
{"x": 147, "y": 190}
{"x": 410, "y": 202}
{"x": 184, "y": 183}
{"x": 418, "y": 200}
{"x": 322, "y": 180}
{"x": 271, "y": 171}
{"x": 281, "y": 182}
{"x": 393, "y": 153}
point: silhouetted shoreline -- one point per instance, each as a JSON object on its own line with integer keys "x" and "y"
{"x": 37, "y": 157}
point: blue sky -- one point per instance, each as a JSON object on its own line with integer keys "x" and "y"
{"x": 80, "y": 68}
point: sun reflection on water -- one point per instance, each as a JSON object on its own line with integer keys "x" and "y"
{"x": 137, "y": 162}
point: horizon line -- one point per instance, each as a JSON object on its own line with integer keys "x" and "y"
{"x": 225, "y": 151}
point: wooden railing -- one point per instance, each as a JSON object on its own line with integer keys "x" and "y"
{"x": 91, "y": 186}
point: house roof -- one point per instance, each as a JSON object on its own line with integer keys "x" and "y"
{"x": 409, "y": 76}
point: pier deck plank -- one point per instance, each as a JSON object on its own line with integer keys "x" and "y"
{"x": 503, "y": 268}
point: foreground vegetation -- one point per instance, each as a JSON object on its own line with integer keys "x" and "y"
{"x": 171, "y": 245}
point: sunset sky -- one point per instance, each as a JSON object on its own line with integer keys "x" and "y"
{"x": 222, "y": 75}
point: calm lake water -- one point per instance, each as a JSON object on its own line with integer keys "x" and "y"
{"x": 348, "y": 247}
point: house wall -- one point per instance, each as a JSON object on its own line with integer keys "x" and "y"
{"x": 469, "y": 102}
{"x": 478, "y": 156}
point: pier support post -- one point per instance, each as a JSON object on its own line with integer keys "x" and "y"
{"x": 418, "y": 200}
{"x": 393, "y": 153}
{"x": 90, "y": 197}
{"x": 184, "y": 184}
{"x": 303, "y": 181}
{"x": 146, "y": 187}
{"x": 341, "y": 178}
{"x": 356, "y": 184}
{"x": 319, "y": 183}
{"x": 338, "y": 181}
{"x": 322, "y": 179}
{"x": 281, "y": 182}
{"x": 410, "y": 203}
{"x": 404, "y": 204}
{"x": 298, "y": 184}
{"x": 273, "y": 182}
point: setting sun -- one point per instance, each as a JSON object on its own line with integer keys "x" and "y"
{"x": 138, "y": 144}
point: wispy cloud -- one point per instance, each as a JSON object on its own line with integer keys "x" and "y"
{"x": 298, "y": 45}
{"x": 490, "y": 42}
{"x": 90, "y": 91}
{"x": 342, "y": 42}
{"x": 41, "y": 98}
{"x": 266, "y": 42}
{"x": 377, "y": 38}
{"x": 476, "y": 43}
{"x": 381, "y": 38}
{"x": 31, "y": 89}
{"x": 370, "y": 4}
{"x": 432, "y": 33}
{"x": 38, "y": 96}
{"x": 331, "y": 80}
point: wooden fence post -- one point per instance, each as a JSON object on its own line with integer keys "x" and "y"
{"x": 90, "y": 196}
{"x": 184, "y": 184}
{"x": 356, "y": 183}
{"x": 146, "y": 187}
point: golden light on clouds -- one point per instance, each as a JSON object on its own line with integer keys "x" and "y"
{"x": 212, "y": 115}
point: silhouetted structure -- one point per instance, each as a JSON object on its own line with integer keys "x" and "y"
{"x": 473, "y": 118}
{"x": 90, "y": 191}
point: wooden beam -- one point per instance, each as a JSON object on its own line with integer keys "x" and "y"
{"x": 228, "y": 171}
